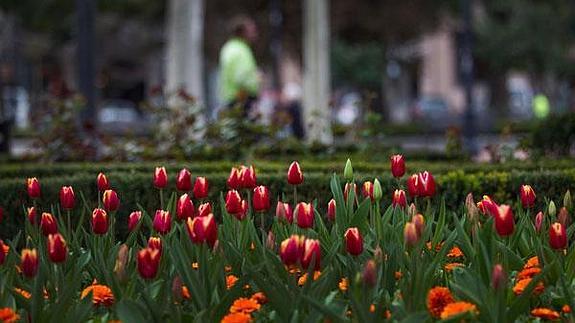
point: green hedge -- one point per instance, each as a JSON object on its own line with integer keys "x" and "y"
{"x": 134, "y": 188}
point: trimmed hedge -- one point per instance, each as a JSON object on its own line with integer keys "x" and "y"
{"x": 135, "y": 188}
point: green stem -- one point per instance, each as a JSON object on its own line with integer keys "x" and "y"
{"x": 161, "y": 199}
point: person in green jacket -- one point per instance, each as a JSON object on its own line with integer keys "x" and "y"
{"x": 239, "y": 76}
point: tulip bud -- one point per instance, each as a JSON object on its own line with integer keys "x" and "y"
{"x": 121, "y": 263}
{"x": 162, "y": 222}
{"x": 311, "y": 254}
{"x": 419, "y": 222}
{"x": 271, "y": 241}
{"x": 551, "y": 210}
{"x": 557, "y": 236}
{"x": 353, "y": 241}
{"x": 261, "y": 199}
{"x": 378, "y": 254}
{"x": 48, "y": 224}
{"x": 29, "y": 262}
{"x": 563, "y": 217}
{"x": 291, "y": 249}
{"x": 184, "y": 207}
{"x": 201, "y": 188}
{"x": 488, "y": 206}
{"x": 102, "y": 182}
{"x": 567, "y": 202}
{"x": 538, "y": 221}
{"x": 2, "y": 252}
{"x": 160, "y": 178}
{"x": 248, "y": 177}
{"x": 504, "y": 222}
{"x": 527, "y": 195}
{"x": 177, "y": 289}
{"x": 204, "y": 209}
{"x": 33, "y": 187}
{"x": 399, "y": 199}
{"x": 304, "y": 215}
{"x": 233, "y": 202}
{"x": 57, "y": 249}
{"x": 413, "y": 185}
{"x": 397, "y": 166}
{"x": 99, "y": 221}
{"x": 349, "y": 187}
{"x": 110, "y": 200}
{"x": 331, "y": 210}
{"x": 294, "y": 174}
{"x": 472, "y": 210}
{"x": 32, "y": 215}
{"x": 183, "y": 181}
{"x": 133, "y": 220}
{"x": 410, "y": 234}
{"x": 498, "y": 277}
{"x": 369, "y": 275}
{"x": 67, "y": 197}
{"x": 234, "y": 179}
{"x": 367, "y": 190}
{"x": 377, "y": 192}
{"x": 284, "y": 212}
{"x": 155, "y": 243}
{"x": 426, "y": 184}
{"x": 148, "y": 261}
{"x": 348, "y": 171}
{"x": 203, "y": 229}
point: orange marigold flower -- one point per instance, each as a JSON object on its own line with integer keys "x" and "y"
{"x": 398, "y": 275}
{"x": 252, "y": 246}
{"x": 237, "y": 318}
{"x": 260, "y": 297}
{"x": 231, "y": 281}
{"x": 301, "y": 281}
{"x": 437, "y": 246}
{"x": 186, "y": 292}
{"x": 244, "y": 305}
{"x": 457, "y": 308}
{"x": 528, "y": 273}
{"x": 437, "y": 298}
{"x": 195, "y": 265}
{"x": 522, "y": 284}
{"x": 450, "y": 266}
{"x": 5, "y": 249}
{"x": 22, "y": 292}
{"x": 532, "y": 262}
{"x": 294, "y": 270}
{"x": 101, "y": 294}
{"x": 7, "y": 315}
{"x": 228, "y": 268}
{"x": 387, "y": 314}
{"x": 343, "y": 284}
{"x": 566, "y": 309}
{"x": 455, "y": 252}
{"x": 372, "y": 308}
{"x": 545, "y": 313}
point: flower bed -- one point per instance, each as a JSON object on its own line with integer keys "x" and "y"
{"x": 265, "y": 251}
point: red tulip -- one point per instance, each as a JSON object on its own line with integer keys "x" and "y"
{"x": 399, "y": 199}
{"x": 410, "y": 234}
{"x": 261, "y": 199}
{"x": 369, "y": 274}
{"x": 183, "y": 181}
{"x": 110, "y": 200}
{"x": 563, "y": 217}
{"x": 32, "y": 215}
{"x": 248, "y": 177}
{"x": 241, "y": 215}
{"x": 538, "y": 221}
{"x": 504, "y": 222}
{"x": 203, "y": 229}
{"x": 155, "y": 243}
{"x": 185, "y": 207}
{"x": 33, "y": 187}
{"x": 557, "y": 236}
{"x": 271, "y": 240}
{"x": 488, "y": 206}
{"x": 426, "y": 184}
{"x": 148, "y": 260}
{"x": 419, "y": 222}
{"x": 99, "y": 221}
{"x": 311, "y": 253}
{"x": 367, "y": 190}
{"x": 57, "y": 249}
{"x": 234, "y": 180}
{"x": 284, "y": 212}
{"x": 162, "y": 222}
{"x": 67, "y": 197}
{"x": 160, "y": 177}
{"x": 201, "y": 188}
{"x": 48, "y": 224}
{"x": 304, "y": 215}
{"x": 413, "y": 185}
{"x": 3, "y": 254}
{"x": 29, "y": 262}
{"x": 498, "y": 277}
{"x": 291, "y": 249}
{"x": 102, "y": 182}
{"x": 349, "y": 187}
{"x": 353, "y": 241}
{"x": 397, "y": 165}
{"x": 331, "y": 210}
{"x": 527, "y": 195}
{"x": 204, "y": 209}
{"x": 133, "y": 220}
{"x": 233, "y": 202}
{"x": 294, "y": 174}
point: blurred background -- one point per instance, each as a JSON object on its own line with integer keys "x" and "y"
{"x": 130, "y": 80}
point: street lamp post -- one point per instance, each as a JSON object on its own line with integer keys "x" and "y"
{"x": 469, "y": 130}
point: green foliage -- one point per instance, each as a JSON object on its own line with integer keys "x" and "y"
{"x": 357, "y": 64}
{"x": 554, "y": 136}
